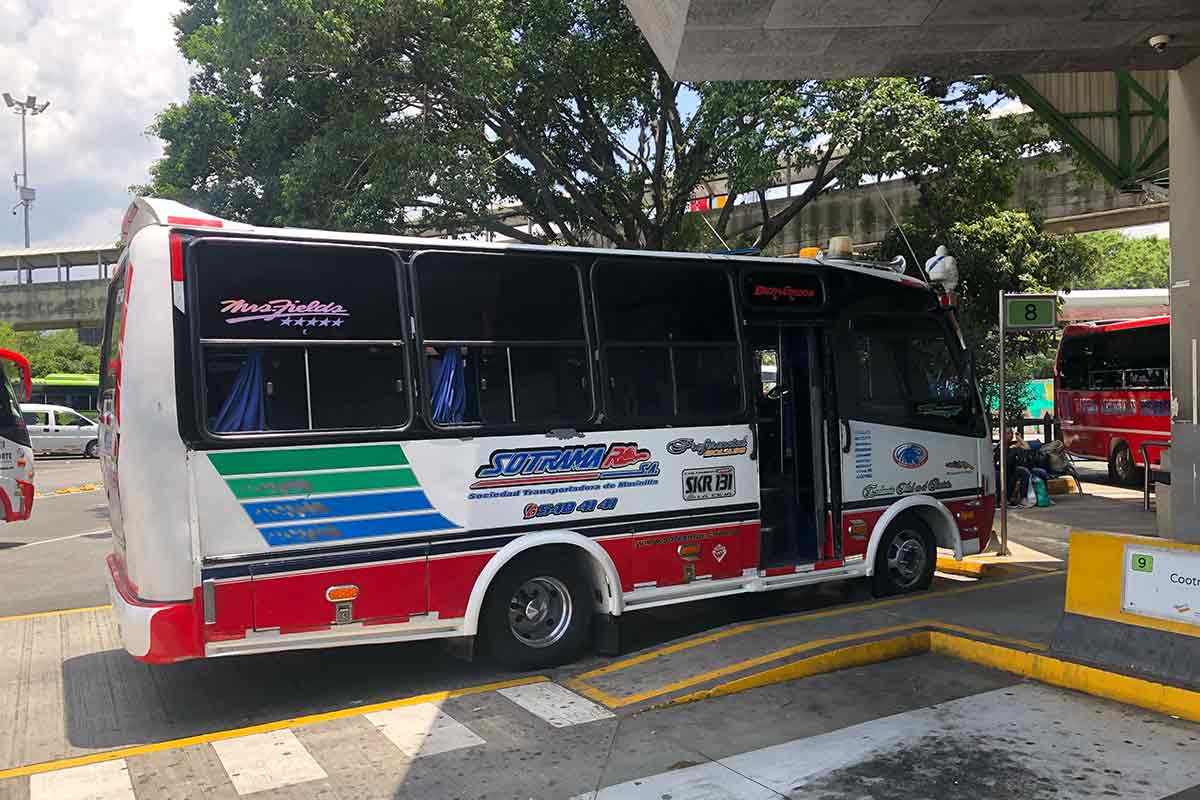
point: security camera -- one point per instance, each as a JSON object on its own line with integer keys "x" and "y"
{"x": 1160, "y": 42}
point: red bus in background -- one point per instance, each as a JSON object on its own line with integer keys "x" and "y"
{"x": 1112, "y": 390}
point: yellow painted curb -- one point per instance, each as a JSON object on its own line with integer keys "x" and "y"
{"x": 856, "y": 655}
{"x": 216, "y": 736}
{"x": 1140, "y": 692}
{"x": 83, "y": 487}
{"x": 60, "y": 612}
{"x": 974, "y": 569}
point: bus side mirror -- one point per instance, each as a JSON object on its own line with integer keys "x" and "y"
{"x": 777, "y": 391}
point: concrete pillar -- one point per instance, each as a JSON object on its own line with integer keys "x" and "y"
{"x": 1185, "y": 302}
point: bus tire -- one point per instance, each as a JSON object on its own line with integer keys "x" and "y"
{"x": 537, "y": 612}
{"x": 905, "y": 559}
{"x": 90, "y": 450}
{"x": 1120, "y": 465}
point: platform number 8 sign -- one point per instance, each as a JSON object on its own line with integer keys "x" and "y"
{"x": 1030, "y": 311}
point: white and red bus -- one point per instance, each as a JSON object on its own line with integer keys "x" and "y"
{"x": 313, "y": 438}
{"x": 1112, "y": 391}
{"x": 16, "y": 452}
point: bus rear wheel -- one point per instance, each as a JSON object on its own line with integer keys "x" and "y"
{"x": 537, "y": 613}
{"x": 905, "y": 559}
{"x": 1120, "y": 465}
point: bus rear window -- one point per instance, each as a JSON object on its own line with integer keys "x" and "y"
{"x": 298, "y": 338}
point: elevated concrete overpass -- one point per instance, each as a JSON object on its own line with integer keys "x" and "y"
{"x": 1069, "y": 202}
{"x": 49, "y": 288}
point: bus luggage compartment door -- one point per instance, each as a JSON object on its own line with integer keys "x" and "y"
{"x": 314, "y": 599}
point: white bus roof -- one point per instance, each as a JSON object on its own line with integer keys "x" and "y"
{"x": 154, "y": 211}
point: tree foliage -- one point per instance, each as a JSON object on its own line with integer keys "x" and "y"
{"x": 1002, "y": 250}
{"x": 55, "y": 351}
{"x": 1125, "y": 262}
{"x": 542, "y": 120}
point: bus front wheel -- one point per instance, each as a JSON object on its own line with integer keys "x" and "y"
{"x": 905, "y": 559}
{"x": 537, "y": 612}
{"x": 1120, "y": 465}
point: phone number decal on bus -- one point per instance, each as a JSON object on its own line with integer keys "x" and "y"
{"x": 535, "y": 510}
{"x": 708, "y": 483}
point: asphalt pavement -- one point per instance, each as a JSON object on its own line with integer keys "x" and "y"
{"x": 55, "y": 559}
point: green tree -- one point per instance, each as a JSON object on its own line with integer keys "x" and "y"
{"x": 1125, "y": 262}
{"x": 53, "y": 351}
{"x": 542, "y": 120}
{"x": 999, "y": 249}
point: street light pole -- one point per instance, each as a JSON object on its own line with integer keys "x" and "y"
{"x": 24, "y": 177}
{"x": 24, "y": 108}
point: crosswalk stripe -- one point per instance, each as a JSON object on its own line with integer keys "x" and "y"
{"x": 555, "y": 704}
{"x": 264, "y": 761}
{"x": 108, "y": 780}
{"x": 423, "y": 730}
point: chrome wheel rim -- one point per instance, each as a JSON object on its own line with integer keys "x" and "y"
{"x": 540, "y": 611}
{"x": 906, "y": 558}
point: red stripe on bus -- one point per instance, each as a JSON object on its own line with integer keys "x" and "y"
{"x": 195, "y": 222}
{"x": 176, "y": 257}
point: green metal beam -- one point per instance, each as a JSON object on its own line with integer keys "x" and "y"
{"x": 1124, "y": 137}
{"x": 1157, "y": 106}
{"x": 1062, "y": 126}
{"x": 1139, "y": 112}
{"x": 1144, "y": 164}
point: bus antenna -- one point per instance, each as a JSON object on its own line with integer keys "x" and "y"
{"x": 899, "y": 227}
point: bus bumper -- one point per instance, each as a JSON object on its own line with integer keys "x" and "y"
{"x": 155, "y": 633}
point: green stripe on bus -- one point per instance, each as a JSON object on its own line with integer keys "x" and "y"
{"x": 301, "y": 459}
{"x": 291, "y": 485}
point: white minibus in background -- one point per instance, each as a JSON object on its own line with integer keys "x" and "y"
{"x": 312, "y": 438}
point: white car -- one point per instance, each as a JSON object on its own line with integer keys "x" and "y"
{"x": 58, "y": 429}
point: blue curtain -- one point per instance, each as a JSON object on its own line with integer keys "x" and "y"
{"x": 449, "y": 387}
{"x": 243, "y": 409}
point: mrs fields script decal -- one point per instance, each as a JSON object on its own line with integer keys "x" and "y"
{"x": 288, "y": 313}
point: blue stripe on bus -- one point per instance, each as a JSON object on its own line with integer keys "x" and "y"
{"x": 354, "y": 529}
{"x": 299, "y": 508}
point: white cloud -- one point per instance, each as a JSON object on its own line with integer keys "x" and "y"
{"x": 107, "y": 68}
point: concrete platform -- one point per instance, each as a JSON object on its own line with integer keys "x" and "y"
{"x": 823, "y": 692}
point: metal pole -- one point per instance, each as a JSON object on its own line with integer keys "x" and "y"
{"x": 1003, "y": 442}
{"x": 25, "y": 182}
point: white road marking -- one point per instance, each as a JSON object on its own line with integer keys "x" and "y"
{"x": 108, "y": 780}
{"x": 555, "y": 704}
{"x": 63, "y": 538}
{"x": 264, "y": 761}
{"x": 709, "y": 781}
{"x": 423, "y": 730}
{"x": 1072, "y": 743}
{"x": 952, "y": 577}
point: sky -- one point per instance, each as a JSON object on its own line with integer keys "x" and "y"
{"x": 107, "y": 67}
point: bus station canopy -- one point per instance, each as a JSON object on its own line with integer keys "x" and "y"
{"x": 790, "y": 39}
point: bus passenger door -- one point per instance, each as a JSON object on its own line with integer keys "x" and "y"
{"x": 791, "y": 454}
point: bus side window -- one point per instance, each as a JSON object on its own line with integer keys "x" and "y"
{"x": 668, "y": 336}
{"x": 503, "y": 338}
{"x": 331, "y": 360}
